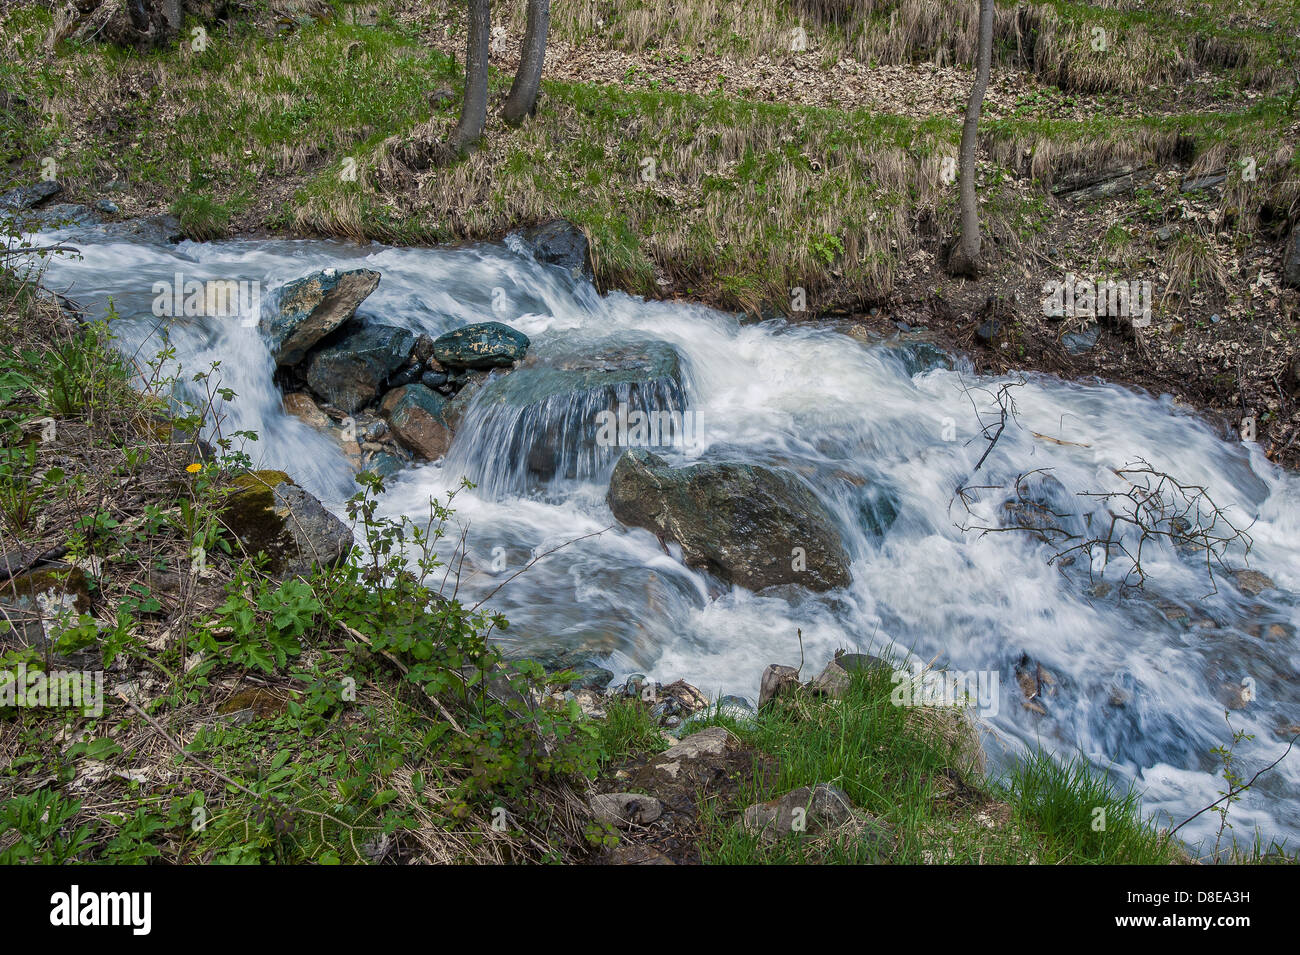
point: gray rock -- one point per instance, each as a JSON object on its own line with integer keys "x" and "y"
{"x": 1079, "y": 343}
{"x": 714, "y": 741}
{"x": 778, "y": 682}
{"x": 106, "y": 206}
{"x": 433, "y": 379}
{"x": 350, "y": 372}
{"x": 312, "y": 307}
{"x": 27, "y": 197}
{"x": 808, "y": 809}
{"x": 750, "y": 525}
{"x": 61, "y": 215}
{"x": 481, "y": 345}
{"x": 625, "y": 809}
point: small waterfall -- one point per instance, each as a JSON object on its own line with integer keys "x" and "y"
{"x": 563, "y": 419}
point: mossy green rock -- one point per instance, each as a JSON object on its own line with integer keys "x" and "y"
{"x": 482, "y": 345}
{"x": 268, "y": 513}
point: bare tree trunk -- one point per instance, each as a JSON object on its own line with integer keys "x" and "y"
{"x": 473, "y": 111}
{"x": 965, "y": 258}
{"x": 522, "y": 100}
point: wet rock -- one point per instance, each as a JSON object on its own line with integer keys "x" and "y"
{"x": 918, "y": 356}
{"x": 383, "y": 463}
{"x": 1252, "y": 582}
{"x": 479, "y": 346}
{"x": 152, "y": 230}
{"x": 350, "y": 372}
{"x": 561, "y": 243}
{"x": 989, "y": 331}
{"x": 778, "y": 682}
{"x": 877, "y": 505}
{"x": 1106, "y": 182}
{"x": 60, "y": 215}
{"x": 312, "y": 307}
{"x": 569, "y": 412}
{"x": 106, "y": 206}
{"x": 418, "y": 419}
{"x": 301, "y": 406}
{"x": 27, "y": 197}
{"x": 750, "y": 525}
{"x": 624, "y": 810}
{"x": 268, "y": 513}
{"x": 685, "y": 699}
{"x": 433, "y": 379}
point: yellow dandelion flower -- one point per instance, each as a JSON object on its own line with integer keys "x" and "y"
{"x": 194, "y": 468}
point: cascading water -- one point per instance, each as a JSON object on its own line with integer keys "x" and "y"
{"x": 1136, "y": 679}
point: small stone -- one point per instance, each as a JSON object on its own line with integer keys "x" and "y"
{"x": 106, "y": 206}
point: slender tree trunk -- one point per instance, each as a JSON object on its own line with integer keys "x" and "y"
{"x": 473, "y": 111}
{"x": 522, "y": 100}
{"x": 966, "y": 258}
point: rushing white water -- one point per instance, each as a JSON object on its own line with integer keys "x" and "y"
{"x": 1139, "y": 688}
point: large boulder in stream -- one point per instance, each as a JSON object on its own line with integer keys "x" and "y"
{"x": 481, "y": 345}
{"x": 749, "y": 525}
{"x": 312, "y": 307}
{"x": 268, "y": 513}
{"x": 350, "y": 372}
{"x": 418, "y": 417}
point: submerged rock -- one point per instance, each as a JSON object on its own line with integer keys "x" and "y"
{"x": 312, "y": 307}
{"x": 482, "y": 345}
{"x": 268, "y": 513}
{"x": 350, "y": 372}
{"x": 418, "y": 418}
{"x": 750, "y": 525}
{"x": 568, "y": 414}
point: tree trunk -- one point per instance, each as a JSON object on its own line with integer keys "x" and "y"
{"x": 473, "y": 111}
{"x": 522, "y": 100}
{"x": 966, "y": 258}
